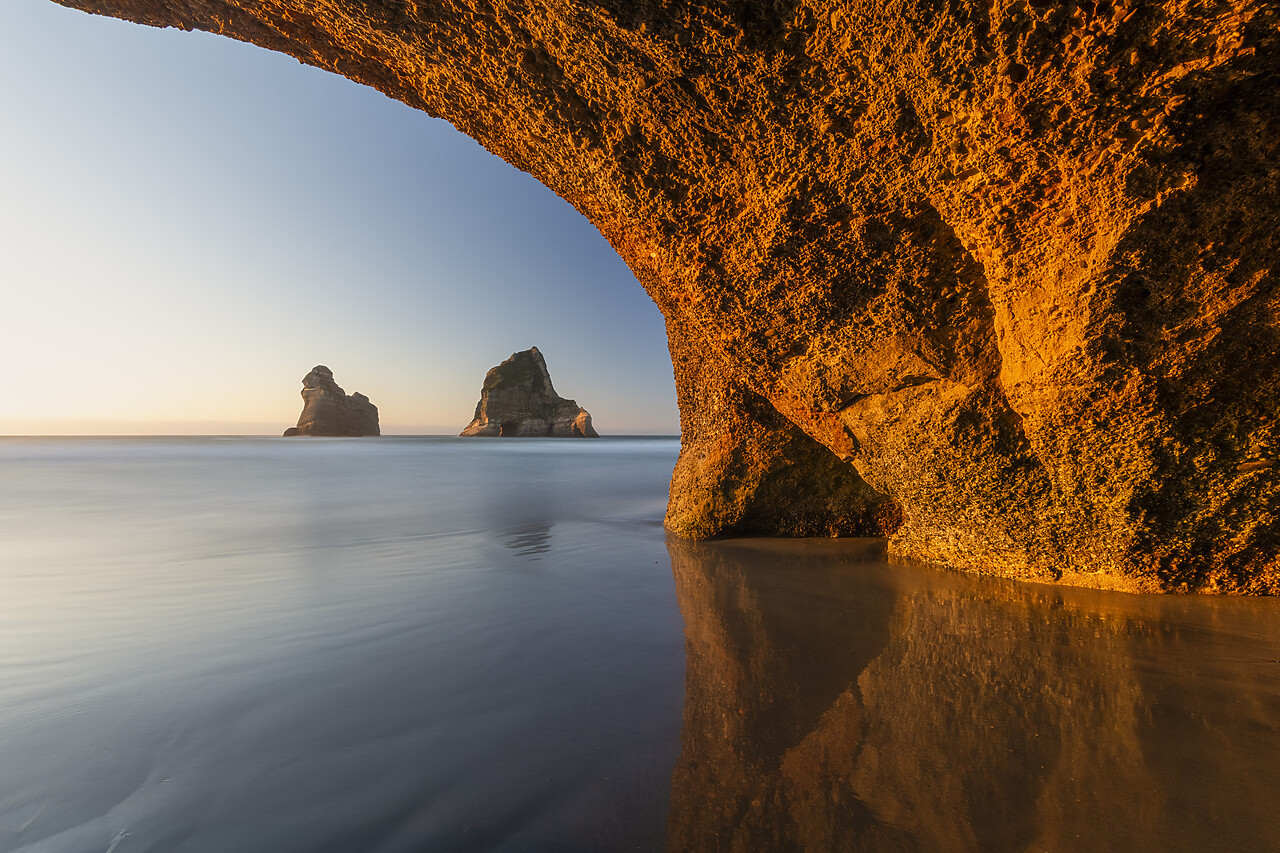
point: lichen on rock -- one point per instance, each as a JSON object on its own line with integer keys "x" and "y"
{"x": 518, "y": 400}
{"x": 1012, "y": 264}
{"x": 328, "y": 411}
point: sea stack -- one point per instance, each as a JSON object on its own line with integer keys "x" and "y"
{"x": 518, "y": 400}
{"x": 327, "y": 410}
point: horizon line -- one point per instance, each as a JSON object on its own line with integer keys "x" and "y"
{"x": 36, "y": 428}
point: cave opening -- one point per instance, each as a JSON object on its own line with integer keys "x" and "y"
{"x": 461, "y": 257}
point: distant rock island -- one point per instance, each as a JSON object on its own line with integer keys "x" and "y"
{"x": 327, "y": 410}
{"x": 518, "y": 400}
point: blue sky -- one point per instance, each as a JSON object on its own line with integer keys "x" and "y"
{"x": 189, "y": 224}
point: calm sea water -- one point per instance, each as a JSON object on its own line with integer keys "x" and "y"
{"x": 242, "y": 645}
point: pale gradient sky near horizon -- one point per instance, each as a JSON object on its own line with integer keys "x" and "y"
{"x": 188, "y": 224}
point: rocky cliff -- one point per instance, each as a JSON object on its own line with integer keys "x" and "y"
{"x": 1011, "y": 263}
{"x": 327, "y": 410}
{"x": 517, "y": 399}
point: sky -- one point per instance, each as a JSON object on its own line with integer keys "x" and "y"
{"x": 188, "y": 224}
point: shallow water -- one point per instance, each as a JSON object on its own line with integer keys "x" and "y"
{"x": 443, "y": 644}
{"x": 836, "y": 701}
{"x": 270, "y": 645}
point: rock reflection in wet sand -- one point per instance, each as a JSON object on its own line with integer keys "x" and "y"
{"x": 835, "y": 702}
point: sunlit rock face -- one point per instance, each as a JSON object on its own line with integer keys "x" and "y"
{"x": 327, "y": 410}
{"x": 1012, "y": 263}
{"x": 747, "y": 469}
{"x": 845, "y": 704}
{"x": 518, "y": 400}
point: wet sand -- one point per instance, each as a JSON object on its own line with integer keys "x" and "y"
{"x": 434, "y": 644}
{"x": 838, "y": 702}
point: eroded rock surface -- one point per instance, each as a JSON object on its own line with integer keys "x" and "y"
{"x": 746, "y": 469}
{"x": 518, "y": 400}
{"x": 1013, "y": 263}
{"x": 327, "y": 410}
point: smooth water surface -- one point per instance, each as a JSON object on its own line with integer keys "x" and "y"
{"x": 243, "y": 645}
{"x": 335, "y": 645}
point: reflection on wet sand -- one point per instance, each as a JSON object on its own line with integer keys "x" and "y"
{"x": 835, "y": 702}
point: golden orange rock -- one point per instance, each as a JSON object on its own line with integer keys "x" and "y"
{"x": 1011, "y": 263}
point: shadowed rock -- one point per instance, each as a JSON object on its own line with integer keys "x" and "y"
{"x": 1012, "y": 264}
{"x": 327, "y": 410}
{"x": 518, "y": 400}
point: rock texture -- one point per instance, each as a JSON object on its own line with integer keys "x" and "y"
{"x": 327, "y": 410}
{"x": 517, "y": 399}
{"x": 1011, "y": 261}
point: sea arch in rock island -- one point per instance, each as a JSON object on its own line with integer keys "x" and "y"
{"x": 997, "y": 279}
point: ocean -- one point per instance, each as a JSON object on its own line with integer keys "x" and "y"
{"x": 232, "y": 645}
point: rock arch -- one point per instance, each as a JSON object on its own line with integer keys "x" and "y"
{"x": 1011, "y": 263}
